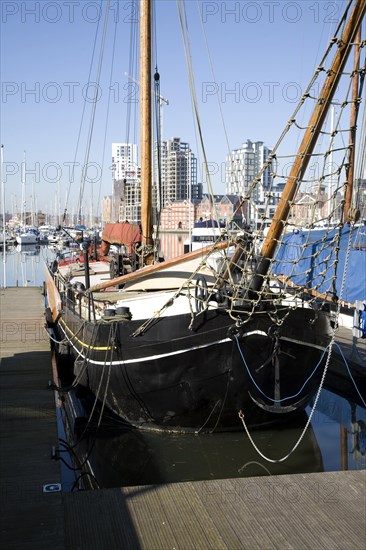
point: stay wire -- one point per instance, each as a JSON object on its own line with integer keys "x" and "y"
{"x": 213, "y": 77}
{"x": 94, "y": 107}
{"x": 188, "y": 56}
{"x": 132, "y": 73}
{"x": 107, "y": 115}
{"x": 82, "y": 120}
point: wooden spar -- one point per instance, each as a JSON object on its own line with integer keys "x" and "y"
{"x": 352, "y": 134}
{"x": 150, "y": 269}
{"x": 307, "y": 145}
{"x": 145, "y": 121}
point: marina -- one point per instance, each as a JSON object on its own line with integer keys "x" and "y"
{"x": 314, "y": 510}
{"x": 182, "y": 369}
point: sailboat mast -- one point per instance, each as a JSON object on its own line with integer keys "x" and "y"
{"x": 308, "y": 144}
{"x": 23, "y": 213}
{"x": 145, "y": 123}
{"x": 352, "y": 134}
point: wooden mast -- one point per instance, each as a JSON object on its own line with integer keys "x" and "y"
{"x": 352, "y": 135}
{"x": 145, "y": 124}
{"x": 307, "y": 145}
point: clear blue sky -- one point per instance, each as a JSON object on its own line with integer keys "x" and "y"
{"x": 263, "y": 55}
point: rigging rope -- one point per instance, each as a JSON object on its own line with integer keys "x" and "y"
{"x": 188, "y": 56}
{"x": 93, "y": 111}
{"x": 107, "y": 117}
{"x": 81, "y": 121}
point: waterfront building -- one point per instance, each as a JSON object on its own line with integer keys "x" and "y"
{"x": 222, "y": 208}
{"x": 183, "y": 214}
{"x": 107, "y": 210}
{"x": 125, "y": 161}
{"x": 126, "y": 183}
{"x": 242, "y": 165}
{"x": 178, "y": 214}
{"x": 310, "y": 206}
{"x": 178, "y": 170}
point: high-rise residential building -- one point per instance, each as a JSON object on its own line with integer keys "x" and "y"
{"x": 242, "y": 166}
{"x": 126, "y": 181}
{"x": 178, "y": 171}
{"x": 124, "y": 161}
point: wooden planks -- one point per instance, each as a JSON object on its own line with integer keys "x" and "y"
{"x": 322, "y": 511}
{"x": 29, "y": 518}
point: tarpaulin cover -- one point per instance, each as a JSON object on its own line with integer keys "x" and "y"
{"x": 309, "y": 262}
{"x": 125, "y": 233}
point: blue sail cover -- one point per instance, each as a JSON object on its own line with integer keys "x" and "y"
{"x": 308, "y": 259}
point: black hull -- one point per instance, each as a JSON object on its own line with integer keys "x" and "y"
{"x": 180, "y": 379}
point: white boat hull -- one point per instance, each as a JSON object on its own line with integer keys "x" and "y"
{"x": 27, "y": 238}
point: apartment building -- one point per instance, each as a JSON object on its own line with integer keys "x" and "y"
{"x": 178, "y": 169}
{"x": 126, "y": 182}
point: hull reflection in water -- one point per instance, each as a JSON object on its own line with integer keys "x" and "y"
{"x": 138, "y": 457}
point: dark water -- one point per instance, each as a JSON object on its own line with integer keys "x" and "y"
{"x": 114, "y": 456}
{"x": 336, "y": 440}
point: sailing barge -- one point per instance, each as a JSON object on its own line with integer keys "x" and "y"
{"x": 188, "y": 343}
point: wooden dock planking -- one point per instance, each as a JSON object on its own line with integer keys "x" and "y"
{"x": 314, "y": 511}
{"x": 29, "y": 517}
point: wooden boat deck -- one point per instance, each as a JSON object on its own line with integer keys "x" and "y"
{"x": 321, "y": 510}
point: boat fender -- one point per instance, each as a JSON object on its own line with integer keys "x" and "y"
{"x": 48, "y": 316}
{"x": 54, "y": 266}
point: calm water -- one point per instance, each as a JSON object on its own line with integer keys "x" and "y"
{"x": 118, "y": 457}
{"x": 335, "y": 441}
{"x": 24, "y": 265}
